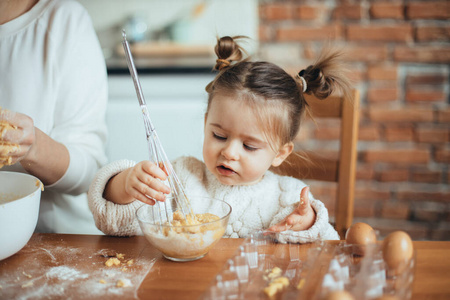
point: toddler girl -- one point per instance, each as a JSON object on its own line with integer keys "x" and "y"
{"x": 253, "y": 115}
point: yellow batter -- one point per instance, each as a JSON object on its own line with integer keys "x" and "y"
{"x": 5, "y": 147}
{"x": 179, "y": 222}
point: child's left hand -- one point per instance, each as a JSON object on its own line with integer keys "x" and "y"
{"x": 302, "y": 218}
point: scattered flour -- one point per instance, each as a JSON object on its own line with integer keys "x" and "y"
{"x": 65, "y": 273}
{"x": 73, "y": 271}
{"x": 123, "y": 282}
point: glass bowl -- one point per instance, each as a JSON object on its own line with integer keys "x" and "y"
{"x": 184, "y": 242}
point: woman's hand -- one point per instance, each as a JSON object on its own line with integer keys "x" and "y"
{"x": 37, "y": 152}
{"x": 142, "y": 182}
{"x": 302, "y": 218}
{"x": 17, "y": 137}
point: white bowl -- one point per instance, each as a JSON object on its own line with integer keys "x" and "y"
{"x": 20, "y": 196}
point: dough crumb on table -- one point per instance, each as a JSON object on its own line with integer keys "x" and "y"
{"x": 277, "y": 282}
{"x": 113, "y": 261}
{"x": 118, "y": 260}
{"x": 124, "y": 282}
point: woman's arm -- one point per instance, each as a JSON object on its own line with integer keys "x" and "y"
{"x": 78, "y": 85}
{"x": 47, "y": 159}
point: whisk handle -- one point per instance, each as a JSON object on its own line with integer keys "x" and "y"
{"x": 132, "y": 68}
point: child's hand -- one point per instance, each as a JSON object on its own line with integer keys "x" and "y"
{"x": 141, "y": 182}
{"x": 302, "y": 218}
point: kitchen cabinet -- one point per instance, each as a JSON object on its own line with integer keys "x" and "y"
{"x": 176, "y": 103}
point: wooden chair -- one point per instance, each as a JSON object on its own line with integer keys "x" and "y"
{"x": 319, "y": 168}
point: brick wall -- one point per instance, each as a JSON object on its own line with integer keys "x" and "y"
{"x": 399, "y": 53}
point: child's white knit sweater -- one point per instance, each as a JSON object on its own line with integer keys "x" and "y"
{"x": 254, "y": 207}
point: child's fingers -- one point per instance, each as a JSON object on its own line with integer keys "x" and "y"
{"x": 154, "y": 170}
{"x": 147, "y": 195}
{"x": 294, "y": 219}
{"x": 149, "y": 201}
{"x": 139, "y": 185}
{"x": 153, "y": 183}
{"x": 145, "y": 199}
{"x": 165, "y": 166}
{"x": 304, "y": 204}
{"x": 151, "y": 176}
{"x": 153, "y": 187}
{"x": 282, "y": 226}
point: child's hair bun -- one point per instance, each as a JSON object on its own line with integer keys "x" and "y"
{"x": 227, "y": 51}
{"x": 221, "y": 64}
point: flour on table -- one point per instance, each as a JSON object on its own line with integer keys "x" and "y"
{"x": 65, "y": 274}
{"x": 123, "y": 282}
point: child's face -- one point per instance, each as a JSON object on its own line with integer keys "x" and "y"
{"x": 235, "y": 148}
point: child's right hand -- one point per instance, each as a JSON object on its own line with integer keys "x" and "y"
{"x": 141, "y": 182}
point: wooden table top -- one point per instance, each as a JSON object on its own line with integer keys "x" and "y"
{"x": 57, "y": 266}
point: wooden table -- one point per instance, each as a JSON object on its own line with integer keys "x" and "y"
{"x": 61, "y": 266}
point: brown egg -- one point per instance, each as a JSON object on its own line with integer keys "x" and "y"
{"x": 397, "y": 251}
{"x": 339, "y": 295}
{"x": 360, "y": 234}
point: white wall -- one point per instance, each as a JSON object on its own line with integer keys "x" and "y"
{"x": 217, "y": 18}
{"x": 176, "y": 105}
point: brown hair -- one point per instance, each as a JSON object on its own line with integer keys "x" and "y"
{"x": 265, "y": 83}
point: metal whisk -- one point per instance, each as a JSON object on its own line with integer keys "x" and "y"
{"x": 157, "y": 153}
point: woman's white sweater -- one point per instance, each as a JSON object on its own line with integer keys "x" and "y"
{"x": 254, "y": 207}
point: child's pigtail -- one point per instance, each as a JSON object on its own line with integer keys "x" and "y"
{"x": 325, "y": 76}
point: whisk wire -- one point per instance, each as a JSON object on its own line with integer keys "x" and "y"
{"x": 177, "y": 190}
{"x": 156, "y": 152}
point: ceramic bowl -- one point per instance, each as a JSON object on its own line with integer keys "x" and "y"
{"x": 20, "y": 196}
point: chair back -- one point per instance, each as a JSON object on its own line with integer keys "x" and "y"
{"x": 314, "y": 166}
